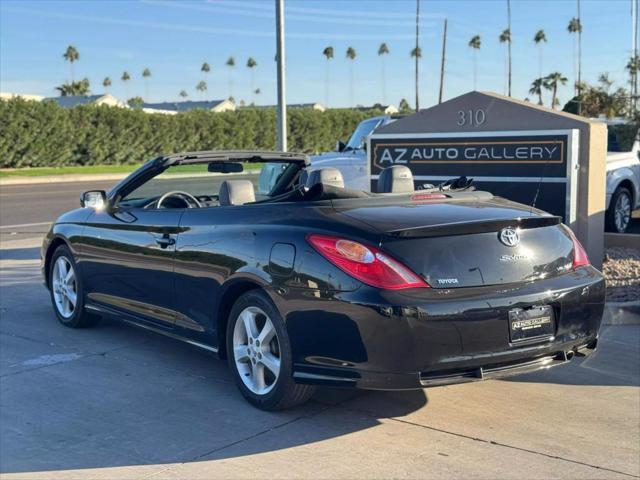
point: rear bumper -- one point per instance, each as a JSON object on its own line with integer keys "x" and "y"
{"x": 389, "y": 340}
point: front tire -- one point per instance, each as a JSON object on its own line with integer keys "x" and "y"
{"x": 259, "y": 354}
{"x": 618, "y": 214}
{"x": 65, "y": 287}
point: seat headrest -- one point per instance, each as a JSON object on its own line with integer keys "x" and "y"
{"x": 326, "y": 176}
{"x": 396, "y": 179}
{"x": 236, "y": 192}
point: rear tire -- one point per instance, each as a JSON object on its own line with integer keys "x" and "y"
{"x": 259, "y": 354}
{"x": 618, "y": 215}
{"x": 67, "y": 295}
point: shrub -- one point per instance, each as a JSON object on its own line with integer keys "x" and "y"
{"x": 43, "y": 134}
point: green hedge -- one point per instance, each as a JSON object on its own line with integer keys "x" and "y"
{"x": 42, "y": 134}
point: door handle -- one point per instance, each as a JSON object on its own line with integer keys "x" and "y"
{"x": 165, "y": 241}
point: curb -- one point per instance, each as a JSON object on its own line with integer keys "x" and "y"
{"x": 622, "y": 313}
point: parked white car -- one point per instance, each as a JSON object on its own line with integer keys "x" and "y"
{"x": 623, "y": 183}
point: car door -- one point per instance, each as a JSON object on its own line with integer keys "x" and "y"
{"x": 127, "y": 262}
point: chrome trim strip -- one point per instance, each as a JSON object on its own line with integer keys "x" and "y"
{"x": 315, "y": 376}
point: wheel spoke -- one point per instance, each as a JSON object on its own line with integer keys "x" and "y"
{"x": 71, "y": 276}
{"x": 249, "y": 320}
{"x": 257, "y": 372}
{"x": 271, "y": 362}
{"x": 62, "y": 269}
{"x": 72, "y": 297}
{"x": 66, "y": 307}
{"x": 267, "y": 333}
{"x": 240, "y": 353}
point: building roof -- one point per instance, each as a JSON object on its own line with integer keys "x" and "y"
{"x": 71, "y": 101}
{"x": 184, "y": 106}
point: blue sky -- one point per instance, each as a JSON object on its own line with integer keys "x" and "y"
{"x": 173, "y": 38}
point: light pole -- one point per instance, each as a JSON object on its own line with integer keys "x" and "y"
{"x": 282, "y": 103}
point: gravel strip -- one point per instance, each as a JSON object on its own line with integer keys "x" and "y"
{"x": 621, "y": 268}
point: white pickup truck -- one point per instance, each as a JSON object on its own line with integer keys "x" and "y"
{"x": 623, "y": 180}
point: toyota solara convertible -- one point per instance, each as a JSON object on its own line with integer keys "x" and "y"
{"x": 299, "y": 282}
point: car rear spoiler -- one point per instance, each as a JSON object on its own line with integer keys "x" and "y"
{"x": 481, "y": 226}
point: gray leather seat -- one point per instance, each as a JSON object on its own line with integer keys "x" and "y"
{"x": 326, "y": 176}
{"x": 236, "y": 192}
{"x": 396, "y": 179}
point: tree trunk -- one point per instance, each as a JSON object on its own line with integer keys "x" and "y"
{"x": 509, "y": 45}
{"x": 417, "y": 56}
{"x": 553, "y": 99}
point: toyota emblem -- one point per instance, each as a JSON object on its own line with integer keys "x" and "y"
{"x": 509, "y": 236}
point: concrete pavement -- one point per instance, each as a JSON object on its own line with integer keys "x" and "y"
{"x": 115, "y": 401}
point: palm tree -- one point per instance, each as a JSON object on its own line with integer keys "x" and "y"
{"x": 231, "y": 62}
{"x": 201, "y": 87}
{"x": 351, "y": 55}
{"x": 540, "y": 38}
{"x": 509, "y": 41}
{"x": 382, "y": 51}
{"x": 251, "y": 65}
{"x": 205, "y": 68}
{"x": 71, "y": 55}
{"x": 74, "y": 88}
{"x": 257, "y": 91}
{"x": 146, "y": 73}
{"x": 551, "y": 82}
{"x": 125, "y": 78}
{"x": 633, "y": 66}
{"x": 505, "y": 37}
{"x": 576, "y": 27}
{"x": 475, "y": 44}
{"x": 328, "y": 54}
{"x": 416, "y": 53}
{"x": 183, "y": 94}
{"x": 106, "y": 83}
{"x": 536, "y": 88}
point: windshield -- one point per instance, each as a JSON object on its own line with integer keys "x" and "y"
{"x": 363, "y": 130}
{"x": 196, "y": 180}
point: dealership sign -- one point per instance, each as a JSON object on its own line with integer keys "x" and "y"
{"x": 526, "y": 166}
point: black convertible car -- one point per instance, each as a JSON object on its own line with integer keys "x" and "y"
{"x": 300, "y": 282}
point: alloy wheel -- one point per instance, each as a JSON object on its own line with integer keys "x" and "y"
{"x": 622, "y": 212}
{"x": 65, "y": 287}
{"x": 256, "y": 350}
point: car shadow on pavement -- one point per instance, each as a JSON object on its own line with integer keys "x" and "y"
{"x": 116, "y": 395}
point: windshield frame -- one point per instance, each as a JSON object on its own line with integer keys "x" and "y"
{"x": 358, "y": 138}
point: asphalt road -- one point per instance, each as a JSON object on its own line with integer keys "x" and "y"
{"x": 118, "y": 402}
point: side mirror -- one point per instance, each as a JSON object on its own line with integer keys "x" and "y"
{"x": 96, "y": 199}
{"x": 340, "y": 146}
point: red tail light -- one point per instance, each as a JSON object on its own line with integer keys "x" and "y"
{"x": 367, "y": 264}
{"x": 580, "y": 257}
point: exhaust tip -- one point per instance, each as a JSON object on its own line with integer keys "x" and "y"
{"x": 569, "y": 354}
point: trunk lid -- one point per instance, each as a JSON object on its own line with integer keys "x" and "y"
{"x": 458, "y": 243}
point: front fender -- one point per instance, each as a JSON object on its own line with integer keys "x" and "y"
{"x": 615, "y": 178}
